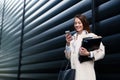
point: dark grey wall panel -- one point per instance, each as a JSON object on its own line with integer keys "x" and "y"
{"x": 30, "y": 3}
{"x": 32, "y": 42}
{"x": 112, "y": 43}
{"x": 108, "y": 68}
{"x": 1, "y": 11}
{"x": 10, "y": 42}
{"x": 108, "y": 10}
{"x": 34, "y": 7}
{"x": 109, "y": 26}
{"x": 47, "y": 15}
{"x": 40, "y": 10}
{"x": 1, "y": 18}
{"x": 44, "y": 38}
{"x": 107, "y": 21}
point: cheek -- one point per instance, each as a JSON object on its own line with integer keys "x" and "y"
{"x": 81, "y": 26}
{"x": 78, "y": 27}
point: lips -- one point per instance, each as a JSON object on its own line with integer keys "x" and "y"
{"x": 78, "y": 27}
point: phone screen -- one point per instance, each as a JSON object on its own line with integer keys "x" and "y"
{"x": 67, "y": 32}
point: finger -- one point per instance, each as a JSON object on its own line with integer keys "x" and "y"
{"x": 68, "y": 39}
{"x": 82, "y": 49}
{"x": 67, "y": 36}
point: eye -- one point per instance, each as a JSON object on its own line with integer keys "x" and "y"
{"x": 79, "y": 22}
{"x": 75, "y": 22}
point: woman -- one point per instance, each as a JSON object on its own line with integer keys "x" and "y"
{"x": 84, "y": 70}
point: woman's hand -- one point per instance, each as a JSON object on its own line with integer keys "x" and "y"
{"x": 68, "y": 39}
{"x": 84, "y": 52}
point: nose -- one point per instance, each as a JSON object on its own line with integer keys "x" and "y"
{"x": 77, "y": 25}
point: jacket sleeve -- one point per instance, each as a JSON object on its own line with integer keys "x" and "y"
{"x": 99, "y": 53}
{"x": 67, "y": 52}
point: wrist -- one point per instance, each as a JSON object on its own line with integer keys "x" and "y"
{"x": 91, "y": 55}
{"x": 88, "y": 53}
{"x": 68, "y": 43}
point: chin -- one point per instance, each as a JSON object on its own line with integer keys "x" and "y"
{"x": 78, "y": 30}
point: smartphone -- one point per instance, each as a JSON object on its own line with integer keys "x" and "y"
{"x": 67, "y": 32}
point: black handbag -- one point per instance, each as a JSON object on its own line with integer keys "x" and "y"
{"x": 67, "y": 74}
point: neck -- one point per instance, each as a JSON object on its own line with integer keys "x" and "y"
{"x": 79, "y": 32}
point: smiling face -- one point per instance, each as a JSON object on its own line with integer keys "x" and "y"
{"x": 78, "y": 25}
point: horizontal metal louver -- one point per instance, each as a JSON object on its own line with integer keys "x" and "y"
{"x": 33, "y": 40}
{"x": 10, "y": 42}
{"x": 107, "y": 21}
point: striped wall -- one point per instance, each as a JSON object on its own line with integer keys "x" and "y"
{"x": 32, "y": 36}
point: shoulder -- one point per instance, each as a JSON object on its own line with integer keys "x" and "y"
{"x": 91, "y": 35}
{"x": 75, "y": 34}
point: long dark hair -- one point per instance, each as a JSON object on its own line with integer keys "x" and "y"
{"x": 84, "y": 22}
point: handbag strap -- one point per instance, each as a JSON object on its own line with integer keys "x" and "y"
{"x": 67, "y": 64}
